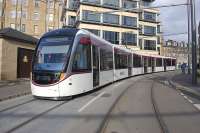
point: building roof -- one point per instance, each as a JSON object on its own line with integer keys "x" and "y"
{"x": 17, "y": 35}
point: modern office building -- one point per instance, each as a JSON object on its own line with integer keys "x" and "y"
{"x": 129, "y": 23}
{"x": 33, "y": 17}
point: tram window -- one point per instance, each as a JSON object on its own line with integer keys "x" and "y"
{"x": 159, "y": 62}
{"x": 137, "y": 61}
{"x": 173, "y": 62}
{"x": 82, "y": 58}
{"x": 149, "y": 62}
{"x": 121, "y": 60}
{"x": 106, "y": 59}
{"x": 168, "y": 62}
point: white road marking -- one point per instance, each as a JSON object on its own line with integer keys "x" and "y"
{"x": 91, "y": 101}
{"x": 190, "y": 101}
{"x": 182, "y": 94}
{"x": 185, "y": 97}
{"x": 197, "y": 106}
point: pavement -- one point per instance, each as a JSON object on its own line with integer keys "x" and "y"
{"x": 142, "y": 104}
{"x": 12, "y": 89}
{"x": 183, "y": 82}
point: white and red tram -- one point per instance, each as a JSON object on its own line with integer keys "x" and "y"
{"x": 70, "y": 61}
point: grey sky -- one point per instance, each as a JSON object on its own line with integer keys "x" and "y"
{"x": 174, "y": 19}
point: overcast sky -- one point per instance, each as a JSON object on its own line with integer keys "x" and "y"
{"x": 174, "y": 19}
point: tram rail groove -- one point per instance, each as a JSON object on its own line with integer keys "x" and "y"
{"x": 35, "y": 117}
{"x": 14, "y": 96}
{"x": 106, "y": 120}
{"x": 18, "y": 105}
{"x": 158, "y": 116}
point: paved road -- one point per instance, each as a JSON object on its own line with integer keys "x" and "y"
{"x": 135, "y": 111}
{"x": 124, "y": 106}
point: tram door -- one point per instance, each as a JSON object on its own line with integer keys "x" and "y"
{"x": 165, "y": 65}
{"x": 130, "y": 62}
{"x": 145, "y": 64}
{"x": 153, "y": 64}
{"x": 95, "y": 53}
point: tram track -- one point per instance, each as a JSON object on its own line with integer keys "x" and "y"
{"x": 21, "y": 125}
{"x": 158, "y": 115}
{"x": 17, "y": 105}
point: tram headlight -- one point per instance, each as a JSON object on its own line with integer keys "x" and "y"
{"x": 62, "y": 76}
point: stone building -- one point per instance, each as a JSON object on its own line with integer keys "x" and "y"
{"x": 178, "y": 50}
{"x": 33, "y": 17}
{"x": 16, "y": 51}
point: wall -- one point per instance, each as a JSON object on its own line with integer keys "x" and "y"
{"x": 9, "y": 58}
{"x": 1, "y": 40}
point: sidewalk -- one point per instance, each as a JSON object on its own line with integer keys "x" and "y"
{"x": 11, "y": 89}
{"x": 183, "y": 82}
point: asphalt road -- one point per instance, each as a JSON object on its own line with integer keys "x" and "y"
{"x": 122, "y": 107}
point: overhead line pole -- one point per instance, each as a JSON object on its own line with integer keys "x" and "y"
{"x": 189, "y": 31}
{"x": 194, "y": 42}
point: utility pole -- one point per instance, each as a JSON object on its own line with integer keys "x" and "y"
{"x": 188, "y": 14}
{"x": 194, "y": 43}
{"x": 199, "y": 43}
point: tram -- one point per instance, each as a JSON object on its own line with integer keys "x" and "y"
{"x": 70, "y": 61}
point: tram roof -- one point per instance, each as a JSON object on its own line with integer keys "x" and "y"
{"x": 62, "y": 32}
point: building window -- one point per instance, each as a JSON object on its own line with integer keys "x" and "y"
{"x": 73, "y": 4}
{"x": 129, "y": 39}
{"x": 112, "y": 37}
{"x": 140, "y": 43}
{"x": 37, "y": 3}
{"x": 35, "y": 29}
{"x": 13, "y": 2}
{"x": 50, "y": 4}
{"x": 51, "y": 16}
{"x": 149, "y": 16}
{"x": 96, "y": 32}
{"x": 36, "y": 16}
{"x": 23, "y": 2}
{"x": 91, "y": 1}
{"x": 12, "y": 26}
{"x": 110, "y": 18}
{"x": 140, "y": 29}
{"x": 91, "y": 16}
{"x": 12, "y": 14}
{"x": 111, "y": 3}
{"x": 129, "y": 21}
{"x": 23, "y": 28}
{"x": 158, "y": 29}
{"x": 71, "y": 20}
{"x": 22, "y": 14}
{"x": 129, "y": 4}
{"x": 149, "y": 45}
{"x": 149, "y": 30}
